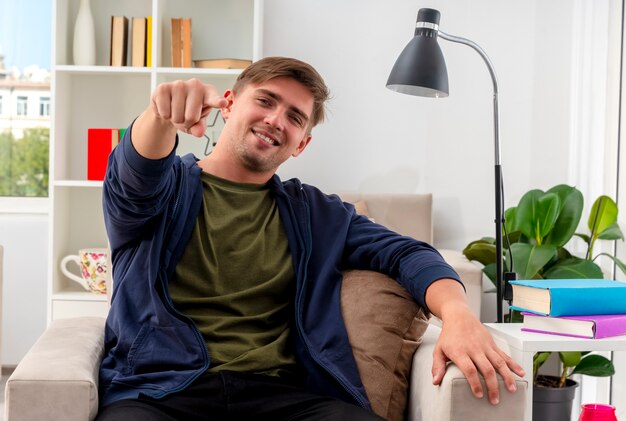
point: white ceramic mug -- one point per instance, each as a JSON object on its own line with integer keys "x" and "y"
{"x": 93, "y": 269}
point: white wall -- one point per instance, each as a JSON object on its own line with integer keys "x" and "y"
{"x": 378, "y": 140}
{"x": 25, "y": 240}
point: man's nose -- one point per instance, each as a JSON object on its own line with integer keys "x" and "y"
{"x": 275, "y": 119}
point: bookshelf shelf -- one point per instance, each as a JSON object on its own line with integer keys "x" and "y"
{"x": 193, "y": 71}
{"x": 79, "y": 296}
{"x": 101, "y": 70}
{"x": 78, "y": 183}
{"x": 106, "y": 96}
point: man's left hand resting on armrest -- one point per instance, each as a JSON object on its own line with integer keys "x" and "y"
{"x": 467, "y": 343}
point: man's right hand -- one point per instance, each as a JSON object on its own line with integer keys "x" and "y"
{"x": 179, "y": 105}
{"x": 186, "y": 104}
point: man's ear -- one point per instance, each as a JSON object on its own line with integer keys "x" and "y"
{"x": 303, "y": 144}
{"x": 229, "y": 95}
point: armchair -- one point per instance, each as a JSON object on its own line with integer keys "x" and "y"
{"x": 58, "y": 377}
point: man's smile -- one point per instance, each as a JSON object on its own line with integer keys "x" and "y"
{"x": 265, "y": 137}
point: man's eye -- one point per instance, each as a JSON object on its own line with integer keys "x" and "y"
{"x": 263, "y": 101}
{"x": 296, "y": 120}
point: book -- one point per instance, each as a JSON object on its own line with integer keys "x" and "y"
{"x": 138, "y": 42}
{"x": 222, "y": 63}
{"x": 186, "y": 42}
{"x": 100, "y": 143}
{"x": 569, "y": 297}
{"x": 119, "y": 40}
{"x": 149, "y": 41}
{"x": 592, "y": 326}
{"x": 180, "y": 31}
{"x": 176, "y": 42}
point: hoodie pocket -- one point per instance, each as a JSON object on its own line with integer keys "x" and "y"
{"x": 157, "y": 349}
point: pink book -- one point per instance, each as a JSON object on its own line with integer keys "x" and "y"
{"x": 594, "y": 327}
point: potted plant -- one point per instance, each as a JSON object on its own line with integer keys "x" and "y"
{"x": 536, "y": 233}
{"x": 553, "y": 395}
{"x": 537, "y": 230}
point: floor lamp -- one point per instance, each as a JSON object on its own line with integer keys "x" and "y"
{"x": 421, "y": 70}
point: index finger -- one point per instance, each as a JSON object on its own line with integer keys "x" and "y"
{"x": 212, "y": 98}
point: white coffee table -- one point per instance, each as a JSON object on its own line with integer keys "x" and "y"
{"x": 523, "y": 345}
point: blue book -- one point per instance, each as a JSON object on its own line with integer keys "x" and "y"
{"x": 569, "y": 297}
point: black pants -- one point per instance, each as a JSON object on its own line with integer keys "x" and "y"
{"x": 229, "y": 395}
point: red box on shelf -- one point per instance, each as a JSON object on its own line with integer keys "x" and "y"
{"x": 100, "y": 143}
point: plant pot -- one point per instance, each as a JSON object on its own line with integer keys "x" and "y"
{"x": 553, "y": 403}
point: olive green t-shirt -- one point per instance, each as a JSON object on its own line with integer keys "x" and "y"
{"x": 236, "y": 280}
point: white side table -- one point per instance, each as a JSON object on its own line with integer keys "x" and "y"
{"x": 524, "y": 345}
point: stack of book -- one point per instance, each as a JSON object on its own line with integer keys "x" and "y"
{"x": 585, "y": 308}
{"x": 139, "y": 37}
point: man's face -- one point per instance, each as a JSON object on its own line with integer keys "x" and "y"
{"x": 267, "y": 123}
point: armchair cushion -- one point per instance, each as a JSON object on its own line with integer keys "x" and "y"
{"x": 58, "y": 377}
{"x": 384, "y": 333}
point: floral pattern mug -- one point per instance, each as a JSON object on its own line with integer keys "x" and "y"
{"x": 93, "y": 269}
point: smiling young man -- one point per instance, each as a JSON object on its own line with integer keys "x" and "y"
{"x": 227, "y": 279}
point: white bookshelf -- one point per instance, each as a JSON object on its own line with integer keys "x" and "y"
{"x": 105, "y": 96}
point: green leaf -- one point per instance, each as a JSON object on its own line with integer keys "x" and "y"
{"x": 490, "y": 271}
{"x": 480, "y": 251}
{"x": 570, "y": 359}
{"x": 603, "y": 214}
{"x": 584, "y": 237}
{"x": 612, "y": 232}
{"x": 571, "y": 204}
{"x": 513, "y": 237}
{"x": 574, "y": 268}
{"x": 539, "y": 358}
{"x": 547, "y": 214}
{"x": 536, "y": 214}
{"x": 525, "y": 215}
{"x": 563, "y": 254}
{"x": 529, "y": 259}
{"x": 617, "y": 261}
{"x": 595, "y": 365}
{"x": 509, "y": 219}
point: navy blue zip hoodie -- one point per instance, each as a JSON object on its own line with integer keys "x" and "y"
{"x": 150, "y": 208}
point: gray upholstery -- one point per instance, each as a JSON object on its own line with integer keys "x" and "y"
{"x": 453, "y": 400}
{"x": 58, "y": 377}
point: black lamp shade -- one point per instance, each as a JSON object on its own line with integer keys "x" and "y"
{"x": 420, "y": 69}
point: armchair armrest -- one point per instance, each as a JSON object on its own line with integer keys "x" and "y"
{"x": 453, "y": 399}
{"x": 58, "y": 378}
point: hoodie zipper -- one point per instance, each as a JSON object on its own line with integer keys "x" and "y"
{"x": 168, "y": 301}
{"x": 307, "y": 247}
